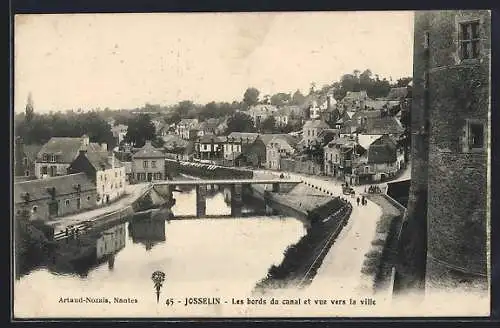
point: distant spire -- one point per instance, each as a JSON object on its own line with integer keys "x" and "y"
{"x": 29, "y": 108}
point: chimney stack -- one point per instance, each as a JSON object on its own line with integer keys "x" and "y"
{"x": 104, "y": 147}
{"x": 85, "y": 140}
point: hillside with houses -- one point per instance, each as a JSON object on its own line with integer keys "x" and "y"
{"x": 352, "y": 136}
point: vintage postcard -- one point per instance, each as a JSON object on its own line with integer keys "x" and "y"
{"x": 299, "y": 164}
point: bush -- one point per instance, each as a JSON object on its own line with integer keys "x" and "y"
{"x": 373, "y": 254}
{"x": 378, "y": 242}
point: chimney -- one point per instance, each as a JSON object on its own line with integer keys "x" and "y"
{"x": 85, "y": 140}
{"x": 104, "y": 147}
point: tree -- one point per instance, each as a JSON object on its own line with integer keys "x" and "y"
{"x": 139, "y": 130}
{"x": 251, "y": 97}
{"x": 29, "y": 112}
{"x": 298, "y": 98}
{"x": 240, "y": 122}
{"x": 268, "y": 125}
{"x": 280, "y": 99}
{"x": 184, "y": 107}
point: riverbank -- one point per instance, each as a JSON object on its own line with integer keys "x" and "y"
{"x": 302, "y": 260}
{"x": 381, "y": 257}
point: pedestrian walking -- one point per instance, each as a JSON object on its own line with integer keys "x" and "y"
{"x": 363, "y": 200}
{"x": 357, "y": 200}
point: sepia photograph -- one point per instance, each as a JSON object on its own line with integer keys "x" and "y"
{"x": 251, "y": 165}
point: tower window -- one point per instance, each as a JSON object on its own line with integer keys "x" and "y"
{"x": 469, "y": 40}
{"x": 476, "y": 135}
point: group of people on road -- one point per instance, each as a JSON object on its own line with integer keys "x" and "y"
{"x": 373, "y": 189}
{"x": 363, "y": 201}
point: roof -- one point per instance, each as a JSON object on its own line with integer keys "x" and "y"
{"x": 119, "y": 127}
{"x": 398, "y": 93}
{"x": 262, "y": 108}
{"x": 64, "y": 184}
{"x": 383, "y": 125}
{"x": 356, "y": 95}
{"x": 188, "y": 121}
{"x": 243, "y": 135}
{"x": 365, "y": 140}
{"x": 208, "y": 138}
{"x": 66, "y": 147}
{"x": 376, "y": 104}
{"x": 316, "y": 124}
{"x": 289, "y": 109}
{"x": 173, "y": 141}
{"x": 342, "y": 141}
{"x": 291, "y": 140}
{"x": 148, "y": 151}
{"x": 382, "y": 150}
{"x": 99, "y": 160}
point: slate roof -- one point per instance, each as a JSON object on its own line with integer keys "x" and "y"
{"x": 382, "y": 150}
{"x": 243, "y": 135}
{"x": 315, "y": 124}
{"x": 356, "y": 95}
{"x": 398, "y": 93}
{"x": 383, "y": 125}
{"x": 148, "y": 151}
{"x": 66, "y": 147}
{"x": 291, "y": 140}
{"x": 172, "y": 140}
{"x": 207, "y": 139}
{"x": 64, "y": 184}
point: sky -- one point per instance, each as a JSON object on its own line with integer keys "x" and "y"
{"x": 126, "y": 60}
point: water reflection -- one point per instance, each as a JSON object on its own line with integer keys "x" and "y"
{"x": 209, "y": 256}
{"x": 147, "y": 231}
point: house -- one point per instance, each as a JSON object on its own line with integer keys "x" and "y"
{"x": 211, "y": 126}
{"x": 119, "y": 132}
{"x": 44, "y": 199}
{"x": 311, "y": 131}
{"x": 148, "y": 164}
{"x": 209, "y": 148}
{"x": 355, "y": 100}
{"x": 177, "y": 148}
{"x": 221, "y": 127}
{"x": 259, "y": 113}
{"x": 24, "y": 159}
{"x": 105, "y": 171}
{"x": 382, "y": 161}
{"x": 58, "y": 153}
{"x": 236, "y": 142}
{"x": 186, "y": 127}
{"x": 399, "y": 94}
{"x": 374, "y": 122}
{"x": 340, "y": 156}
{"x": 289, "y": 114}
{"x": 255, "y": 154}
{"x": 279, "y": 147}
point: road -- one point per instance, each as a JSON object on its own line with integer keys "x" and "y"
{"x": 132, "y": 192}
{"x": 341, "y": 267}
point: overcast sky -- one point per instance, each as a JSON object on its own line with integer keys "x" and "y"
{"x": 126, "y": 60}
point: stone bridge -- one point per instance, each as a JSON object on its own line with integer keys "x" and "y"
{"x": 235, "y": 186}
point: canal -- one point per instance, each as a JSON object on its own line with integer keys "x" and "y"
{"x": 200, "y": 257}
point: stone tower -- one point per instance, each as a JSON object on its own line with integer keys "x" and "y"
{"x": 444, "y": 236}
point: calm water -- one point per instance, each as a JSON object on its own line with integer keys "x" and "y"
{"x": 200, "y": 257}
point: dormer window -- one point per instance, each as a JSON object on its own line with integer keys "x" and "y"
{"x": 45, "y": 157}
